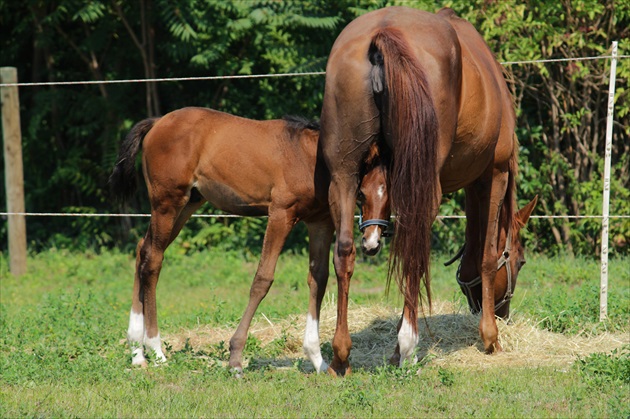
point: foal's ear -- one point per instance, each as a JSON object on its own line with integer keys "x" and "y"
{"x": 523, "y": 214}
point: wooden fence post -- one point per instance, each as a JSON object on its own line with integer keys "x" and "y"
{"x": 13, "y": 169}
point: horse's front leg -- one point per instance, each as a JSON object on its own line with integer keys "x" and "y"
{"x": 320, "y": 238}
{"x": 278, "y": 227}
{"x": 491, "y": 203}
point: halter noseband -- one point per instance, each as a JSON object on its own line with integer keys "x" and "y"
{"x": 386, "y": 226}
{"x": 503, "y": 261}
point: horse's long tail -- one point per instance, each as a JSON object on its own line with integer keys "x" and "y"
{"x": 122, "y": 180}
{"x": 410, "y": 127}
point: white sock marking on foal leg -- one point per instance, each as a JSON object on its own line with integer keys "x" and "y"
{"x": 155, "y": 344}
{"x": 135, "y": 336}
{"x": 407, "y": 341}
{"x": 311, "y": 344}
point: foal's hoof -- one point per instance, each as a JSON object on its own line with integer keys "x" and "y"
{"x": 494, "y": 348}
{"x": 395, "y": 360}
{"x": 339, "y": 369}
{"x": 237, "y": 372}
{"x": 143, "y": 365}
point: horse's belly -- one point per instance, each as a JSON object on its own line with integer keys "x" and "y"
{"x": 461, "y": 169}
{"x": 233, "y": 201}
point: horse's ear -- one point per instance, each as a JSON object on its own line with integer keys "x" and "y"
{"x": 523, "y": 214}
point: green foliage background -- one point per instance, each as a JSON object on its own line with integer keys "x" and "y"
{"x": 71, "y": 133}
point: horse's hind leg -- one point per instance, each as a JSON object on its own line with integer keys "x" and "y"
{"x": 278, "y": 227}
{"x": 320, "y": 238}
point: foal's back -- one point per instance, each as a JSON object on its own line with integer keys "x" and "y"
{"x": 241, "y": 166}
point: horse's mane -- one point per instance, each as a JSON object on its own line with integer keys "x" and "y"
{"x": 508, "y": 209}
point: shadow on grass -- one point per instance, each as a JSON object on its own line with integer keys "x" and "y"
{"x": 374, "y": 345}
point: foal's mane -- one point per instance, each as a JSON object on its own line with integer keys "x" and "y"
{"x": 297, "y": 124}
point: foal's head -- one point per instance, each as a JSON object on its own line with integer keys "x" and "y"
{"x": 374, "y": 203}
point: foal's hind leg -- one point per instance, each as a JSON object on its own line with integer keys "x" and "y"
{"x": 320, "y": 238}
{"x": 278, "y": 227}
{"x": 143, "y": 317}
{"x": 143, "y": 331}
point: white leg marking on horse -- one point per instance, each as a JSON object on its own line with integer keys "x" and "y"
{"x": 311, "y": 344}
{"x": 407, "y": 341}
{"x": 135, "y": 336}
{"x": 155, "y": 344}
{"x": 371, "y": 241}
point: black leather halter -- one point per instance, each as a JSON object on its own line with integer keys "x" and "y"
{"x": 387, "y": 228}
{"x": 476, "y": 282}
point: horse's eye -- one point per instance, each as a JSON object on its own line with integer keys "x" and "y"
{"x": 360, "y": 196}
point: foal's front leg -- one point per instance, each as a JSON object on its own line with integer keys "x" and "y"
{"x": 278, "y": 228}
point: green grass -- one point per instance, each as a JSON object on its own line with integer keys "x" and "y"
{"x": 62, "y": 324}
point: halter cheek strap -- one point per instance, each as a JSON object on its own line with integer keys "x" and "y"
{"x": 467, "y": 286}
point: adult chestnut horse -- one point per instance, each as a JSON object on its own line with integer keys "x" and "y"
{"x": 244, "y": 167}
{"x": 427, "y": 87}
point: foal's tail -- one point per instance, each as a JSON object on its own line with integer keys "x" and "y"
{"x": 122, "y": 180}
{"x": 410, "y": 128}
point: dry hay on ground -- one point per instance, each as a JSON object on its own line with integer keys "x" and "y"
{"x": 452, "y": 338}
